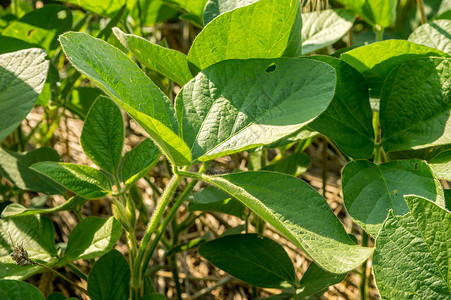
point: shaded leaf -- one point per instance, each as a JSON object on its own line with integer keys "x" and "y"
{"x": 100, "y": 7}
{"x": 18, "y": 290}
{"x": 294, "y": 164}
{"x": 18, "y": 210}
{"x": 316, "y": 279}
{"x": 378, "y": 13}
{"x": 213, "y": 199}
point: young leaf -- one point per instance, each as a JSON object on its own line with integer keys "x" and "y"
{"x": 171, "y": 63}
{"x": 16, "y": 168}
{"x": 37, "y": 235}
{"x": 213, "y": 199}
{"x": 22, "y": 77}
{"x": 294, "y": 208}
{"x": 85, "y": 181}
{"x": 411, "y": 260}
{"x": 109, "y": 278}
{"x": 120, "y": 78}
{"x": 139, "y": 161}
{"x": 441, "y": 165}
{"x": 436, "y": 34}
{"x": 222, "y": 111}
{"x": 252, "y": 258}
{"x": 19, "y": 290}
{"x": 42, "y": 26}
{"x": 214, "y": 8}
{"x": 91, "y": 237}
{"x": 316, "y": 279}
{"x": 265, "y": 29}
{"x": 415, "y": 105}
{"x": 348, "y": 119}
{"x": 103, "y": 134}
{"x": 323, "y": 28}
{"x": 371, "y": 190}
{"x": 294, "y": 164}
{"x": 375, "y": 61}
{"x": 18, "y": 210}
{"x": 378, "y": 13}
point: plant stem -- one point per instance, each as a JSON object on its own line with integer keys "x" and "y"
{"x": 324, "y": 167}
{"x": 153, "y": 223}
{"x": 422, "y": 13}
{"x": 64, "y": 277}
{"x": 363, "y": 283}
{"x": 379, "y": 33}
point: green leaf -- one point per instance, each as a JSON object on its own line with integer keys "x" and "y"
{"x": 91, "y": 237}
{"x": 323, "y": 28}
{"x": 436, "y": 34}
{"x": 441, "y": 165}
{"x": 294, "y": 164}
{"x": 112, "y": 71}
{"x": 36, "y": 234}
{"x": 222, "y": 111}
{"x": 371, "y": 190}
{"x": 100, "y": 7}
{"x": 171, "y": 63}
{"x": 18, "y": 290}
{"x": 82, "y": 99}
{"x": 265, "y": 29}
{"x": 42, "y": 26}
{"x": 316, "y": 279}
{"x": 150, "y": 13}
{"x": 192, "y": 244}
{"x": 447, "y": 199}
{"x": 214, "y": 8}
{"x": 251, "y": 258}
{"x": 109, "y": 278}
{"x": 378, "y": 13}
{"x": 85, "y": 181}
{"x": 213, "y": 199}
{"x": 139, "y": 161}
{"x": 11, "y": 44}
{"x": 412, "y": 259}
{"x": 22, "y": 77}
{"x": 375, "y": 61}
{"x": 16, "y": 168}
{"x": 103, "y": 134}
{"x": 348, "y": 119}
{"x": 193, "y": 8}
{"x": 18, "y": 210}
{"x": 415, "y": 105}
{"x": 294, "y": 208}
{"x": 154, "y": 296}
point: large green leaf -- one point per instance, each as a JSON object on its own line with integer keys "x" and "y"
{"x": 109, "y": 278}
{"x": 252, "y": 258}
{"x": 18, "y": 210}
{"x": 213, "y": 199}
{"x": 120, "y": 78}
{"x": 222, "y": 111}
{"x": 436, "y": 34}
{"x": 11, "y": 44}
{"x": 36, "y": 234}
{"x": 441, "y": 165}
{"x": 323, "y": 28}
{"x": 378, "y": 13}
{"x": 348, "y": 119}
{"x": 265, "y": 29}
{"x": 415, "y": 105}
{"x": 22, "y": 77}
{"x": 375, "y": 61}
{"x": 139, "y": 161}
{"x": 171, "y": 63}
{"x": 85, "y": 181}
{"x": 294, "y": 208}
{"x": 412, "y": 260}
{"x": 371, "y": 190}
{"x": 41, "y": 27}
{"x": 91, "y": 237}
{"x": 101, "y": 7}
{"x": 103, "y": 134}
{"x": 19, "y": 290}
{"x": 214, "y": 8}
{"x": 16, "y": 168}
{"x": 316, "y": 279}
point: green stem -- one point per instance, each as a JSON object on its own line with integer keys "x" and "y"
{"x": 153, "y": 223}
{"x": 422, "y": 13}
{"x": 64, "y": 277}
{"x": 363, "y": 283}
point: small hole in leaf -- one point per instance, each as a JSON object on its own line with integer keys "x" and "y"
{"x": 30, "y": 32}
{"x": 271, "y": 68}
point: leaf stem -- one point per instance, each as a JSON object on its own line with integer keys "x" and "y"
{"x": 422, "y": 13}
{"x": 64, "y": 277}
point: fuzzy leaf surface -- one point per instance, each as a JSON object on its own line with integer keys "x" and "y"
{"x": 265, "y": 29}
{"x": 415, "y": 105}
{"x": 222, "y": 111}
{"x": 435, "y": 34}
{"x": 323, "y": 28}
{"x": 412, "y": 260}
{"x": 371, "y": 190}
{"x": 294, "y": 208}
{"x": 127, "y": 84}
{"x": 103, "y": 134}
{"x": 214, "y": 8}
{"x": 22, "y": 77}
